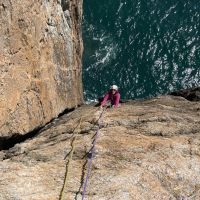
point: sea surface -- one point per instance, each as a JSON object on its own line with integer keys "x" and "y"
{"x": 146, "y": 47}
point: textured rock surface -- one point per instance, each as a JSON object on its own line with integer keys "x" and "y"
{"x": 146, "y": 150}
{"x": 40, "y": 62}
{"x": 189, "y": 94}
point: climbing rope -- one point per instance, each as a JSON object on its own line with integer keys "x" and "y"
{"x": 70, "y": 155}
{"x": 90, "y": 158}
{"x": 69, "y": 162}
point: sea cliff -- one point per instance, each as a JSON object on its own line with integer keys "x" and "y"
{"x": 145, "y": 149}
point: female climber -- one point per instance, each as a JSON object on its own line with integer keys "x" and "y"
{"x": 113, "y": 95}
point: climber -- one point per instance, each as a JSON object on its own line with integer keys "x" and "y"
{"x": 113, "y": 95}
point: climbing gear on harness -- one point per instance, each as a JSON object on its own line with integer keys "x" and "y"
{"x": 90, "y": 157}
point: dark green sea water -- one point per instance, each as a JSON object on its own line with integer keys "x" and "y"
{"x": 146, "y": 47}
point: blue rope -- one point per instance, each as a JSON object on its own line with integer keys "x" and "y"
{"x": 91, "y": 155}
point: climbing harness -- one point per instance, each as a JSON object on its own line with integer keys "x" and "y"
{"x": 90, "y": 157}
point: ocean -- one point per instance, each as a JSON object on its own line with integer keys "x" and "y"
{"x": 145, "y": 47}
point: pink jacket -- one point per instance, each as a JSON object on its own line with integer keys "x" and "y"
{"x": 113, "y": 98}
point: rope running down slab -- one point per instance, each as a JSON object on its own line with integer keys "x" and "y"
{"x": 92, "y": 152}
{"x": 70, "y": 156}
{"x": 68, "y": 164}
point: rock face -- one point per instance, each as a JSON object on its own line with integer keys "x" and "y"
{"x": 190, "y": 94}
{"x": 146, "y": 150}
{"x": 40, "y": 62}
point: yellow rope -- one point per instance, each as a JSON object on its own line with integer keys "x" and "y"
{"x": 61, "y": 197}
{"x": 68, "y": 164}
